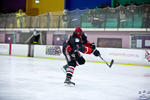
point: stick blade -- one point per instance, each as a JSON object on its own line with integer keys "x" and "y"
{"x": 112, "y": 61}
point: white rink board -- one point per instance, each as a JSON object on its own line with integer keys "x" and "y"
{"x": 4, "y": 49}
{"x": 40, "y": 51}
{"x": 129, "y": 56}
{"x": 19, "y": 49}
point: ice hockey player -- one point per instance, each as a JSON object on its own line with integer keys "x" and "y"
{"x": 71, "y": 49}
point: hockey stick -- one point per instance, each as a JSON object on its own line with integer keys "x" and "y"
{"x": 109, "y": 65}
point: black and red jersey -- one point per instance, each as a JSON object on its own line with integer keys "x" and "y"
{"x": 75, "y": 43}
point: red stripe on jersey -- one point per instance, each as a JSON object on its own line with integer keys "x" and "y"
{"x": 68, "y": 48}
{"x": 148, "y": 57}
{"x": 88, "y": 44}
{"x": 87, "y": 50}
{"x": 146, "y": 51}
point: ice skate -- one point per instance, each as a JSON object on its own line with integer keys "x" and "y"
{"x": 68, "y": 82}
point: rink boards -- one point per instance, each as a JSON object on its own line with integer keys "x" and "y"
{"x": 121, "y": 56}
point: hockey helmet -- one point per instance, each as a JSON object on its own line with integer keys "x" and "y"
{"x": 78, "y": 32}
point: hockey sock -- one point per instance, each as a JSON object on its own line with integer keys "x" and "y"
{"x": 70, "y": 70}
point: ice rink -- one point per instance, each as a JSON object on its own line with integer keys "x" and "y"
{"x": 23, "y": 78}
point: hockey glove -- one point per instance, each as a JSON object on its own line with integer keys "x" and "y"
{"x": 96, "y": 53}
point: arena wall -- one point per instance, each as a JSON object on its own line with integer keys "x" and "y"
{"x": 93, "y": 34}
{"x": 134, "y": 57}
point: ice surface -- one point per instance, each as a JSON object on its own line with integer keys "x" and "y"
{"x": 23, "y": 78}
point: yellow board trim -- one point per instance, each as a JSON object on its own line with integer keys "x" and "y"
{"x": 87, "y": 60}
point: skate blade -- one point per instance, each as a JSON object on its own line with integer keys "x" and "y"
{"x": 69, "y": 85}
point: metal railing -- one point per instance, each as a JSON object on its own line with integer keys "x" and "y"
{"x": 121, "y": 17}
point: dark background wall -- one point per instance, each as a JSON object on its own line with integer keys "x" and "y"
{"x": 12, "y": 5}
{"x": 83, "y": 4}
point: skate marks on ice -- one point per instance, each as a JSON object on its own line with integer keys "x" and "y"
{"x": 38, "y": 79}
